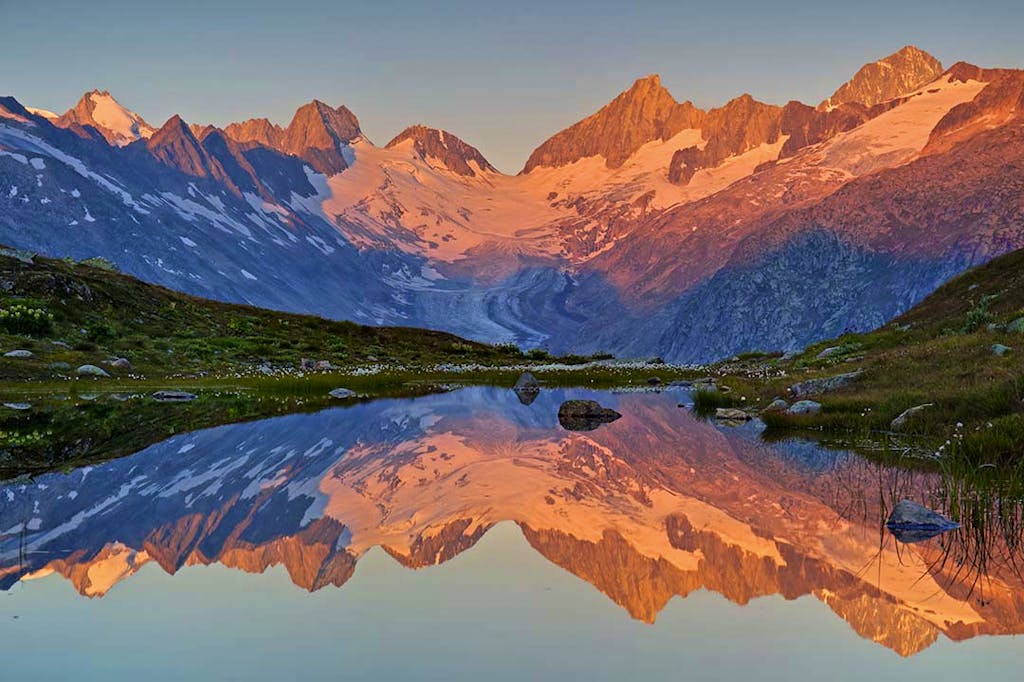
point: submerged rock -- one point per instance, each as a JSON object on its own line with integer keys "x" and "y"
{"x": 824, "y": 384}
{"x": 342, "y": 393}
{"x": 584, "y": 415}
{"x": 91, "y": 371}
{"x": 804, "y": 407}
{"x": 910, "y": 522}
{"x": 905, "y": 416}
{"x": 174, "y": 396}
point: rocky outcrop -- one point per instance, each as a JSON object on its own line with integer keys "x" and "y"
{"x": 642, "y": 114}
{"x": 899, "y": 74}
{"x": 584, "y": 415}
{"x": 174, "y": 145}
{"x": 256, "y": 130}
{"x": 453, "y": 153}
{"x": 319, "y": 135}
{"x": 741, "y": 125}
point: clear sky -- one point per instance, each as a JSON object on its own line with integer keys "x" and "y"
{"x": 504, "y": 76}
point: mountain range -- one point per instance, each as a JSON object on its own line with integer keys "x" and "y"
{"x": 651, "y": 227}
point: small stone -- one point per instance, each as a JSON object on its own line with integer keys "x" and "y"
{"x": 324, "y": 366}
{"x": 92, "y": 370}
{"x": 910, "y": 522}
{"x": 827, "y": 352}
{"x": 824, "y": 384}
{"x": 526, "y": 382}
{"x": 654, "y": 381}
{"x": 342, "y": 394}
{"x": 18, "y": 406}
{"x": 1000, "y": 350}
{"x": 59, "y": 366}
{"x": 901, "y": 421}
{"x": 777, "y": 405}
{"x": 731, "y": 414}
{"x": 122, "y": 364}
{"x": 805, "y": 407}
{"x": 173, "y": 396}
{"x": 1016, "y": 327}
{"x": 19, "y": 353}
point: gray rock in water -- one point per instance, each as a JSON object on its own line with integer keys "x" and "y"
{"x": 777, "y": 405}
{"x": 526, "y": 382}
{"x": 905, "y": 416}
{"x": 92, "y": 371}
{"x": 174, "y": 397}
{"x": 19, "y": 353}
{"x": 731, "y": 414}
{"x": 122, "y": 364}
{"x": 824, "y": 384}
{"x": 1000, "y": 350}
{"x": 342, "y": 394}
{"x": 584, "y": 415}
{"x": 910, "y": 522}
{"x": 804, "y": 407}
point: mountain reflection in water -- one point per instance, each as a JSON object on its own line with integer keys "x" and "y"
{"x": 654, "y": 505}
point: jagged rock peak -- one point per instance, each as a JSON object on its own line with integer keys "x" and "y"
{"x": 894, "y": 76}
{"x": 643, "y": 113}
{"x": 258, "y": 130}
{"x": 455, "y": 154}
{"x": 117, "y": 124}
{"x": 318, "y": 134}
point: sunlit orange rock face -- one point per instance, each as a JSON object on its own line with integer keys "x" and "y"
{"x": 653, "y": 506}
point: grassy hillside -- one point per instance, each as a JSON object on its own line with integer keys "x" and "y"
{"x": 86, "y": 313}
{"x": 940, "y": 352}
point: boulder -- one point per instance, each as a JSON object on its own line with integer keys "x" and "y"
{"x": 342, "y": 394}
{"x": 824, "y": 384}
{"x": 827, "y": 352}
{"x": 307, "y": 365}
{"x": 777, "y": 405}
{"x": 731, "y": 414}
{"x": 121, "y": 364}
{"x": 527, "y": 388}
{"x": 584, "y": 415}
{"x": 1016, "y": 327}
{"x": 804, "y": 407}
{"x": 19, "y": 353}
{"x": 324, "y": 366}
{"x": 59, "y": 366}
{"x": 910, "y": 522}
{"x": 174, "y": 397}
{"x": 908, "y": 414}
{"x": 1000, "y": 350}
{"x": 91, "y": 371}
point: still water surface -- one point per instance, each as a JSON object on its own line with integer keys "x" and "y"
{"x": 466, "y": 535}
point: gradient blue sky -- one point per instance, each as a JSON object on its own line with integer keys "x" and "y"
{"x": 502, "y": 75}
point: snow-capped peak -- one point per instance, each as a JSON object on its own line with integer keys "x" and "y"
{"x": 116, "y": 123}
